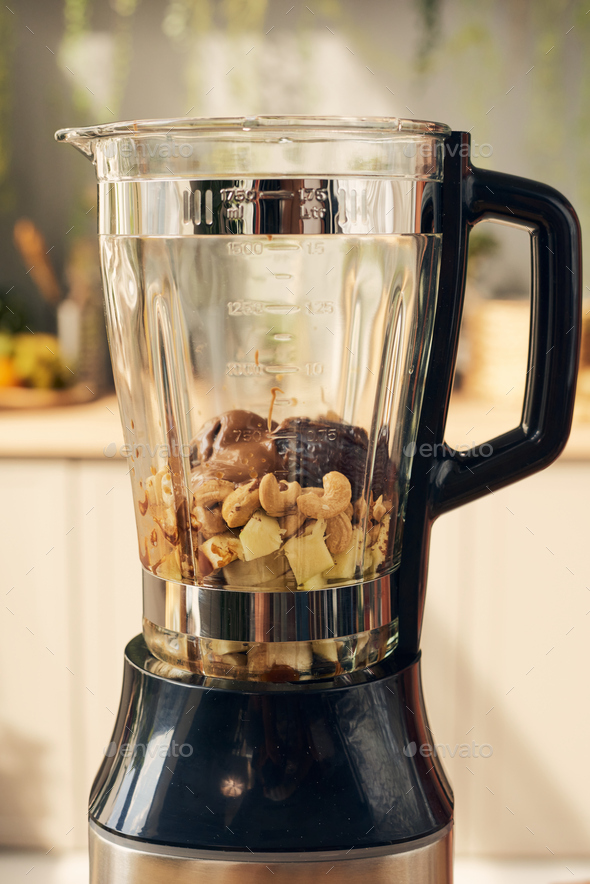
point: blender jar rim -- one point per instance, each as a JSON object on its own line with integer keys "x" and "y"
{"x": 263, "y": 124}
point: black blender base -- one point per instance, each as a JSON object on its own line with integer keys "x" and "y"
{"x": 206, "y": 779}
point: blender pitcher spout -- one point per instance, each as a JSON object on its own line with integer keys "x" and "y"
{"x": 81, "y": 140}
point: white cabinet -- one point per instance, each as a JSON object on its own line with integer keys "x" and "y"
{"x": 506, "y": 649}
{"x": 71, "y": 598}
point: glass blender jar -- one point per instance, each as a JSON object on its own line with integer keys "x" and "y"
{"x": 270, "y": 288}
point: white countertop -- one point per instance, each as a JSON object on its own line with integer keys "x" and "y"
{"x": 93, "y": 431}
{"x": 76, "y": 431}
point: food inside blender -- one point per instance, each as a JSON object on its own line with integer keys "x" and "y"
{"x": 268, "y": 661}
{"x": 273, "y": 506}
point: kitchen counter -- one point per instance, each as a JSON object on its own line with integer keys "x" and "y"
{"x": 93, "y": 431}
{"x": 77, "y": 431}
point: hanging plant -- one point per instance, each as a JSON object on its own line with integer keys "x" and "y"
{"x": 122, "y": 52}
{"x": 96, "y": 64}
{"x": 429, "y": 11}
{"x": 184, "y": 22}
{"x": 244, "y": 15}
{"x": 76, "y": 15}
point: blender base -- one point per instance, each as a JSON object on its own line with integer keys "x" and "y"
{"x": 216, "y": 780}
{"x": 116, "y": 860}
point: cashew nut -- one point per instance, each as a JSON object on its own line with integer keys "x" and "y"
{"x": 165, "y": 518}
{"x": 159, "y": 488}
{"x": 143, "y": 503}
{"x": 241, "y": 503}
{"x": 379, "y": 509}
{"x": 338, "y": 533}
{"x": 379, "y": 547}
{"x": 291, "y": 523}
{"x": 222, "y": 549}
{"x": 212, "y": 491}
{"x": 208, "y": 521}
{"x": 278, "y": 498}
{"x": 335, "y": 499}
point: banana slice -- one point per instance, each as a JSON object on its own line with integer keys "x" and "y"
{"x": 309, "y": 555}
{"x": 260, "y": 536}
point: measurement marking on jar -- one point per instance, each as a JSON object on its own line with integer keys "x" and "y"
{"x": 281, "y": 309}
{"x": 243, "y": 369}
{"x": 320, "y": 307}
{"x": 258, "y": 308}
{"x": 252, "y": 369}
{"x": 239, "y": 196}
{"x": 238, "y": 248}
{"x": 281, "y": 369}
{"x": 209, "y": 207}
{"x": 245, "y": 308}
{"x": 320, "y": 435}
{"x": 247, "y": 435}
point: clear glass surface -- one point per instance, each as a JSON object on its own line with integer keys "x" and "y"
{"x": 271, "y": 661}
{"x": 270, "y": 390}
{"x": 270, "y": 288}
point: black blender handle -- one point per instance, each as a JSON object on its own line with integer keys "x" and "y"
{"x": 459, "y": 477}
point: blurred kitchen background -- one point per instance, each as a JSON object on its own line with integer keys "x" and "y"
{"x": 507, "y": 639}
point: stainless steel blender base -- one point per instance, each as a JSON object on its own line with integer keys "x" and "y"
{"x": 116, "y": 860}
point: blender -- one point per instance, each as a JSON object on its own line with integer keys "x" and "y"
{"x": 283, "y": 299}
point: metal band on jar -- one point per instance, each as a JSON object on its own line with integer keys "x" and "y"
{"x": 257, "y": 616}
{"x": 350, "y": 206}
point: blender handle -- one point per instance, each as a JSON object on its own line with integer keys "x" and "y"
{"x": 553, "y": 344}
